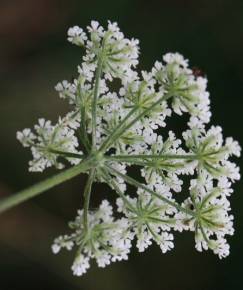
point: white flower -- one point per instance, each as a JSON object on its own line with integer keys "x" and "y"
{"x": 144, "y": 240}
{"x": 77, "y": 36}
{"x": 166, "y": 243}
{"x": 233, "y": 147}
{"x": 222, "y": 248}
{"x": 213, "y": 154}
{"x": 175, "y": 58}
{"x": 49, "y": 138}
{"x": 163, "y": 170}
{"x": 118, "y": 53}
{"x": 130, "y": 121}
{"x": 212, "y": 220}
{"x": 26, "y": 137}
{"x": 105, "y": 241}
{"x": 188, "y": 92}
{"x": 150, "y": 219}
{"x": 80, "y": 265}
{"x": 62, "y": 242}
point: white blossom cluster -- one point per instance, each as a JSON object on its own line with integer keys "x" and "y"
{"x": 106, "y": 241}
{"x": 130, "y": 131}
{"x": 47, "y": 138}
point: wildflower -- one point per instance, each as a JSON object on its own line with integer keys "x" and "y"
{"x": 212, "y": 220}
{"x": 188, "y": 92}
{"x": 149, "y": 220}
{"x": 49, "y": 139}
{"x": 212, "y": 154}
{"x": 109, "y": 131}
{"x": 102, "y": 239}
{"x": 77, "y": 36}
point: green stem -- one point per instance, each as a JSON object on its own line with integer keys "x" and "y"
{"x": 67, "y": 154}
{"x": 94, "y": 103}
{"x": 135, "y": 162}
{"x": 117, "y": 189}
{"x": 83, "y": 136}
{"x": 137, "y": 184}
{"x": 156, "y": 238}
{"x": 84, "y": 139}
{"x": 143, "y": 160}
{"x": 131, "y": 158}
{"x": 204, "y": 234}
{"x": 119, "y": 130}
{"x": 87, "y": 194}
{"x": 9, "y": 202}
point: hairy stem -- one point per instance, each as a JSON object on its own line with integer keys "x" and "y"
{"x": 9, "y": 202}
{"x": 131, "y": 158}
{"x": 137, "y": 184}
{"x": 87, "y": 194}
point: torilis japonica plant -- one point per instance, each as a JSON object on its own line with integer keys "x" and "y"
{"x": 108, "y": 131}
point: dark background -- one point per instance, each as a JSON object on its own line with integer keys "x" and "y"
{"x": 34, "y": 56}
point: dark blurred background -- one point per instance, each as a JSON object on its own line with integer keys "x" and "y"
{"x": 34, "y": 56}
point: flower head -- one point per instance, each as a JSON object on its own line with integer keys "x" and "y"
{"x": 103, "y": 239}
{"x": 113, "y": 128}
{"x": 211, "y": 221}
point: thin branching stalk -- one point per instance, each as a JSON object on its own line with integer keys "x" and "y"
{"x": 94, "y": 103}
{"x": 87, "y": 194}
{"x": 84, "y": 139}
{"x": 67, "y": 154}
{"x": 113, "y": 184}
{"x": 137, "y": 184}
{"x": 120, "y": 129}
{"x": 132, "y": 157}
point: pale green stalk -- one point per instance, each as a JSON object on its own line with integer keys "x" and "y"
{"x": 109, "y": 180}
{"x": 42, "y": 186}
{"x": 131, "y": 158}
{"x": 95, "y": 98}
{"x": 87, "y": 194}
{"x": 137, "y": 184}
{"x": 84, "y": 139}
{"x": 67, "y": 154}
{"x": 98, "y": 74}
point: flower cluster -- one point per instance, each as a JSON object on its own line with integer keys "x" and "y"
{"x": 48, "y": 139}
{"x": 105, "y": 240}
{"x": 115, "y": 130}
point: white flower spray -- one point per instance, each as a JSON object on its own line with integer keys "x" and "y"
{"x": 108, "y": 131}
